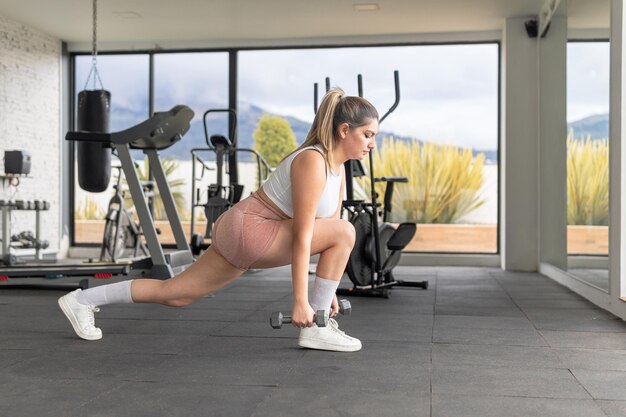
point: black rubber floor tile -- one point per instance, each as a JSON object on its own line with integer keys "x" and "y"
{"x": 479, "y": 406}
{"x": 53, "y": 397}
{"x": 232, "y": 361}
{"x": 156, "y": 326}
{"x": 181, "y": 399}
{"x": 139, "y": 312}
{"x": 377, "y": 364}
{"x": 89, "y": 365}
{"x": 496, "y": 355}
{"x": 460, "y": 310}
{"x": 585, "y": 340}
{"x": 496, "y": 381}
{"x": 603, "y": 385}
{"x": 340, "y": 397}
{"x": 472, "y": 336}
{"x": 613, "y": 408}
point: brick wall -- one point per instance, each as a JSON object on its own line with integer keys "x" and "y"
{"x": 30, "y": 118}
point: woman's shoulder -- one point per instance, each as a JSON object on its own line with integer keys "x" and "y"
{"x": 310, "y": 153}
{"x": 310, "y": 159}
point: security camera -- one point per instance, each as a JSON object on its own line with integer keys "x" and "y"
{"x": 531, "y": 28}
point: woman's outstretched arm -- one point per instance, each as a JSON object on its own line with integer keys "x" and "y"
{"x": 308, "y": 178}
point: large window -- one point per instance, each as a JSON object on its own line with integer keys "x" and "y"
{"x": 448, "y": 110}
{"x": 448, "y": 115}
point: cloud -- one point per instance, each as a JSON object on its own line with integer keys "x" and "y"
{"x": 449, "y": 93}
{"x": 587, "y": 79}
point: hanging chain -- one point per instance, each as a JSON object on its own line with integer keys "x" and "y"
{"x": 94, "y": 43}
{"x": 94, "y": 50}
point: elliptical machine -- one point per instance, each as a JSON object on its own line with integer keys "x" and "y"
{"x": 378, "y": 245}
{"x": 219, "y": 195}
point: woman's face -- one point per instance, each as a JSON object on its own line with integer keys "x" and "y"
{"x": 359, "y": 140}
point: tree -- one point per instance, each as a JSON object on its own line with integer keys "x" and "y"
{"x": 273, "y": 138}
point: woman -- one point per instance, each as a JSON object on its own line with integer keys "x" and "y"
{"x": 295, "y": 214}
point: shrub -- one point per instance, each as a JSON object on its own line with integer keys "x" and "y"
{"x": 273, "y": 139}
{"x": 587, "y": 181}
{"x": 444, "y": 181}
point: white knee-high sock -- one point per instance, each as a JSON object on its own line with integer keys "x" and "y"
{"x": 118, "y": 293}
{"x": 323, "y": 293}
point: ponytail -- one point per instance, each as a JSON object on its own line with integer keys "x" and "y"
{"x": 337, "y": 108}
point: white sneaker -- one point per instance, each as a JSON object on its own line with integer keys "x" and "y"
{"x": 328, "y": 338}
{"x": 80, "y": 316}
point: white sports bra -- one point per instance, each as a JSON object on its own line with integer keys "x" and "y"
{"x": 278, "y": 187}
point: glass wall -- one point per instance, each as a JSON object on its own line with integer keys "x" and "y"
{"x": 448, "y": 115}
{"x": 588, "y": 159}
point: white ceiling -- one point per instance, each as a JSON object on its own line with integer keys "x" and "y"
{"x": 241, "y": 21}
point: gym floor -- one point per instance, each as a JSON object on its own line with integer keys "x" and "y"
{"x": 478, "y": 342}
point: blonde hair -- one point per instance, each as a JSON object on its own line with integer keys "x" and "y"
{"x": 337, "y": 108}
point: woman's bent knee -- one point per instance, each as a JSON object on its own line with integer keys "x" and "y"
{"x": 346, "y": 232}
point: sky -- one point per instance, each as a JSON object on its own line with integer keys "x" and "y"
{"x": 449, "y": 93}
{"x": 587, "y": 79}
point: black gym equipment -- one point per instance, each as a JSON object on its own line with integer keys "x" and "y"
{"x": 120, "y": 229}
{"x": 93, "y": 115}
{"x": 378, "y": 245}
{"x": 17, "y": 162}
{"x": 219, "y": 196}
{"x": 159, "y": 132}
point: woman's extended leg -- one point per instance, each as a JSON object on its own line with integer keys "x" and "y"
{"x": 208, "y": 274}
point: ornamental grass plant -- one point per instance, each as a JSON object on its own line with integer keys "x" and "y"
{"x": 587, "y": 181}
{"x": 444, "y": 180}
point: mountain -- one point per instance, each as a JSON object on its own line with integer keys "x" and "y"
{"x": 596, "y": 127}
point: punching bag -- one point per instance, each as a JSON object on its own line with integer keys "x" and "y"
{"x": 93, "y": 158}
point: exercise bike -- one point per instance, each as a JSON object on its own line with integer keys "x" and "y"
{"x": 378, "y": 246}
{"x": 120, "y": 230}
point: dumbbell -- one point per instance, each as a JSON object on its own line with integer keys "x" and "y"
{"x": 345, "y": 307}
{"x": 277, "y": 319}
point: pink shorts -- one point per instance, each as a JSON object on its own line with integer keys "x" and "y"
{"x": 244, "y": 233}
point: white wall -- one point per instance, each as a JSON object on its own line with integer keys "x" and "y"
{"x": 519, "y": 149}
{"x": 30, "y": 119}
{"x": 552, "y": 148}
